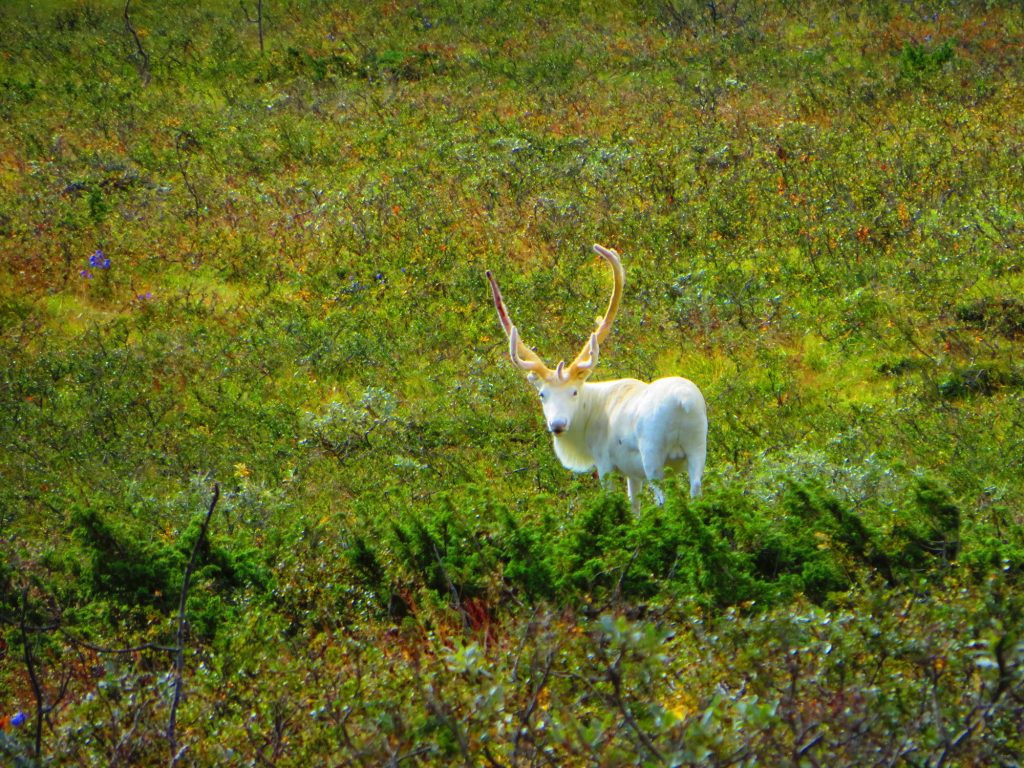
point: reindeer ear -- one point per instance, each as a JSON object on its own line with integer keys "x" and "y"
{"x": 534, "y": 379}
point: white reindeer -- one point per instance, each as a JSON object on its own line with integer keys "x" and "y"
{"x": 625, "y": 425}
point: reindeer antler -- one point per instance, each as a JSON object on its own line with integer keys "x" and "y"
{"x": 585, "y": 361}
{"x": 587, "y": 358}
{"x": 521, "y": 354}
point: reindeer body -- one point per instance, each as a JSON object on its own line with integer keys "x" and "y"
{"x": 637, "y": 429}
{"x": 625, "y": 425}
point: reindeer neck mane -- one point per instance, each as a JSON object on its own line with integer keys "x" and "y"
{"x": 571, "y": 447}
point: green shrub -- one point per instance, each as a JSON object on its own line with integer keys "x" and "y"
{"x": 594, "y": 551}
{"x": 927, "y": 531}
{"x": 918, "y": 60}
{"x": 444, "y": 553}
{"x": 529, "y": 560}
{"x": 130, "y": 572}
{"x": 119, "y": 567}
{"x": 1004, "y": 315}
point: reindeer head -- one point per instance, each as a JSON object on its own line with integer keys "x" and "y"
{"x": 560, "y": 388}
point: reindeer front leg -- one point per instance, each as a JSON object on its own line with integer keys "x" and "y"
{"x": 633, "y": 487}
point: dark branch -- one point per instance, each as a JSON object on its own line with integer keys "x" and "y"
{"x": 179, "y": 649}
{"x": 140, "y": 53}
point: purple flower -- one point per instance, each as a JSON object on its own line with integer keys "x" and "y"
{"x": 18, "y": 719}
{"x": 86, "y": 274}
{"x": 99, "y": 260}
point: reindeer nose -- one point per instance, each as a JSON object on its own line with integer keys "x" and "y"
{"x": 557, "y": 427}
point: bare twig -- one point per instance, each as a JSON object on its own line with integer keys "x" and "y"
{"x": 525, "y": 715}
{"x": 33, "y": 677}
{"x": 184, "y": 142}
{"x": 142, "y": 58}
{"x": 617, "y": 592}
{"x": 614, "y": 676}
{"x": 258, "y": 21}
{"x": 78, "y": 642}
{"x": 179, "y": 644}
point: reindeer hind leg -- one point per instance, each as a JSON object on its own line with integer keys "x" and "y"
{"x": 695, "y": 469}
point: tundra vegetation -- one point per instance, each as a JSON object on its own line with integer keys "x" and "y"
{"x": 272, "y": 494}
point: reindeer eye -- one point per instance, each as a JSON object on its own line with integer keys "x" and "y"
{"x": 575, "y": 392}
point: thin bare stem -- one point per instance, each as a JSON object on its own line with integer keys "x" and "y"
{"x": 179, "y": 649}
{"x": 258, "y": 21}
{"x": 33, "y": 677}
{"x": 142, "y": 58}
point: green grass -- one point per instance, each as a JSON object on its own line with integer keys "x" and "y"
{"x": 820, "y": 218}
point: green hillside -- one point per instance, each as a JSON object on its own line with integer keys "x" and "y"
{"x": 272, "y": 493}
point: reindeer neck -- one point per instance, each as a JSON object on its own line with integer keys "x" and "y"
{"x": 572, "y": 446}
